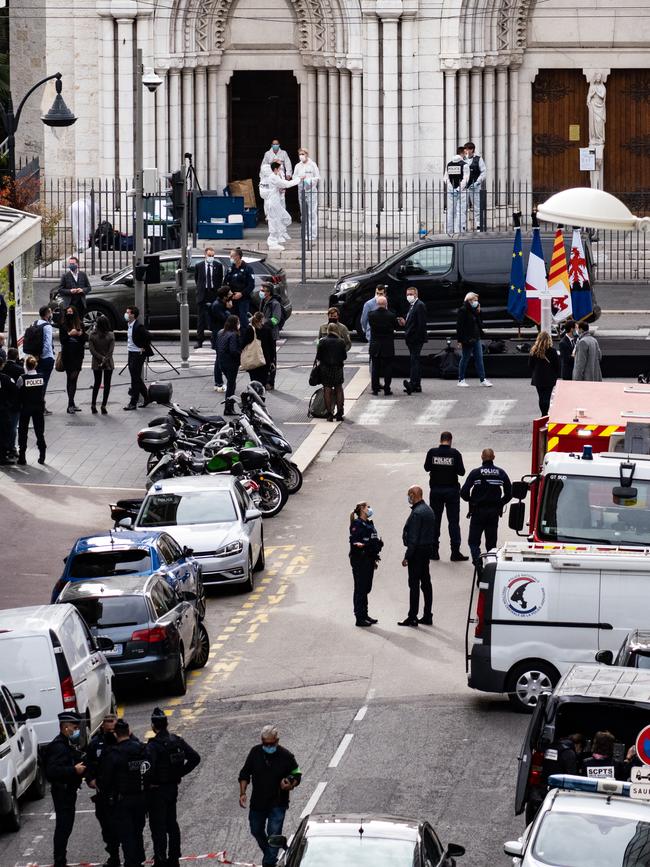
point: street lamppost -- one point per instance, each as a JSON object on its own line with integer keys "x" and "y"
{"x": 594, "y": 209}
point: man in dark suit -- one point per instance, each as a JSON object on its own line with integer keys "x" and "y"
{"x": 208, "y": 276}
{"x": 382, "y": 324}
{"x": 74, "y": 286}
{"x": 138, "y": 344}
{"x": 415, "y": 334}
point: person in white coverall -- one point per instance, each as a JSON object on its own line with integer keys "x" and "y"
{"x": 307, "y": 170}
{"x": 276, "y": 154}
{"x": 276, "y": 213}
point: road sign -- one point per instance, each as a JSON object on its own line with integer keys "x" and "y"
{"x": 641, "y": 775}
{"x": 640, "y": 791}
{"x": 643, "y": 745}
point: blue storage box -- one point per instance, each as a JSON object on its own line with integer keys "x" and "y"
{"x": 250, "y": 218}
{"x": 209, "y": 207}
{"x": 221, "y": 230}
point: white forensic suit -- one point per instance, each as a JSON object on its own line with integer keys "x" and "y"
{"x": 281, "y": 157}
{"x": 276, "y": 213}
{"x": 309, "y": 177}
{"x": 456, "y": 178}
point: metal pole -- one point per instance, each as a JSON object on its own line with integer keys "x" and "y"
{"x": 138, "y": 247}
{"x": 547, "y": 312}
{"x": 185, "y": 309}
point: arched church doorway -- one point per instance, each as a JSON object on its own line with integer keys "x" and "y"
{"x": 263, "y": 105}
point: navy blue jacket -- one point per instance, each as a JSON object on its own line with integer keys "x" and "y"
{"x": 415, "y": 329}
{"x": 487, "y": 487}
{"x": 240, "y": 279}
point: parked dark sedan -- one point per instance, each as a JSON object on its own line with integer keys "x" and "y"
{"x": 112, "y": 293}
{"x": 366, "y": 841}
{"x": 157, "y": 633}
{"x": 444, "y": 269}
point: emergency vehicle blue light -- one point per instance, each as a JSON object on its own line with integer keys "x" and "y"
{"x": 587, "y": 453}
{"x": 571, "y": 783}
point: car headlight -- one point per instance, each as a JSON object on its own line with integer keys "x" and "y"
{"x": 347, "y": 285}
{"x": 231, "y": 548}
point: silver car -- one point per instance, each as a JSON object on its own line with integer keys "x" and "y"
{"x": 215, "y": 518}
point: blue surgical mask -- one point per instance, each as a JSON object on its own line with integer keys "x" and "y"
{"x": 126, "y": 317}
{"x": 232, "y": 261}
{"x": 72, "y": 266}
{"x": 209, "y": 259}
{"x": 276, "y": 148}
{"x": 409, "y": 501}
{"x": 370, "y": 512}
{"x": 269, "y": 748}
{"x": 261, "y": 293}
{"x": 74, "y": 737}
{"x": 474, "y": 304}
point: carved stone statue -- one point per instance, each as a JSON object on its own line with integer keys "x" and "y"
{"x": 597, "y": 110}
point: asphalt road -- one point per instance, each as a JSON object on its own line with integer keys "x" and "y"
{"x": 381, "y": 720}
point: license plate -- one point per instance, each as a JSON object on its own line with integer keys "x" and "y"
{"x": 116, "y": 651}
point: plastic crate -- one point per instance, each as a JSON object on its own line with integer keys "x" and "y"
{"x": 250, "y": 218}
{"x": 221, "y": 230}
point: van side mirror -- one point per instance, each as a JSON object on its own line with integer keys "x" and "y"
{"x": 127, "y": 523}
{"x": 454, "y": 850}
{"x": 187, "y": 552}
{"x": 514, "y": 848}
{"x": 624, "y": 496}
{"x": 519, "y": 490}
{"x": 517, "y": 516}
{"x": 128, "y": 281}
{"x": 32, "y": 711}
{"x": 252, "y": 514}
{"x": 103, "y": 642}
{"x": 279, "y": 841}
{"x": 605, "y": 657}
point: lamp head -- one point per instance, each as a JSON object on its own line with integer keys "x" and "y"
{"x": 59, "y": 115}
{"x": 591, "y": 208}
{"x": 151, "y": 81}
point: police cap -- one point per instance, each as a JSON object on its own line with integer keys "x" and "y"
{"x": 158, "y": 717}
{"x": 69, "y": 716}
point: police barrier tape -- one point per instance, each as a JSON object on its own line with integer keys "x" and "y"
{"x": 219, "y": 857}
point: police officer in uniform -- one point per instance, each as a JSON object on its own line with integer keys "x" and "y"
{"x": 172, "y": 759}
{"x": 561, "y": 757}
{"x": 64, "y": 769}
{"x": 124, "y": 778}
{"x": 475, "y": 184}
{"x": 95, "y": 756}
{"x": 31, "y": 391}
{"x": 487, "y": 489}
{"x": 444, "y": 465}
{"x": 365, "y": 546}
{"x": 456, "y": 179}
{"x": 601, "y": 764}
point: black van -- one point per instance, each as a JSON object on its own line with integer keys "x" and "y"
{"x": 588, "y": 699}
{"x": 444, "y": 269}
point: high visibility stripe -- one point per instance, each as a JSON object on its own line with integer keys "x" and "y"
{"x": 551, "y": 425}
{"x": 609, "y": 430}
{"x": 567, "y": 429}
{"x": 552, "y": 443}
{"x": 593, "y": 427}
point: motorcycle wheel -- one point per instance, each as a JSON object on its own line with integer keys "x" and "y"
{"x": 271, "y": 497}
{"x": 290, "y": 473}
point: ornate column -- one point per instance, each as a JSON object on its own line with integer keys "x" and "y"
{"x": 174, "y": 130}
{"x": 357, "y": 127}
{"x": 488, "y": 124}
{"x": 187, "y": 111}
{"x": 125, "y": 95}
{"x": 222, "y": 129}
{"x": 345, "y": 172}
{"x": 463, "y": 106}
{"x": 391, "y": 169}
{"x": 212, "y": 127}
{"x": 409, "y": 87}
{"x": 371, "y": 88}
{"x": 334, "y": 127}
{"x": 107, "y": 97}
{"x": 476, "y": 108}
{"x": 524, "y": 158}
{"x": 502, "y": 131}
{"x": 451, "y": 114}
{"x": 309, "y": 136}
{"x": 162, "y": 124}
{"x": 201, "y": 126}
{"x": 144, "y": 30}
{"x": 323, "y": 156}
{"x": 513, "y": 114}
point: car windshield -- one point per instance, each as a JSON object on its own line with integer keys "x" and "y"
{"x": 357, "y": 852}
{"x": 194, "y": 507}
{"x": 583, "y": 840}
{"x": 582, "y": 509}
{"x": 113, "y": 611}
{"x": 105, "y": 564}
{"x": 639, "y": 659}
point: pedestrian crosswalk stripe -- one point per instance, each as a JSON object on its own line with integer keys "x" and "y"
{"x": 496, "y": 412}
{"x": 435, "y": 412}
{"x": 376, "y": 412}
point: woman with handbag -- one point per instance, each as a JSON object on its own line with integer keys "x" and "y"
{"x": 330, "y": 358}
{"x": 229, "y": 354}
{"x": 101, "y": 344}
{"x": 257, "y": 349}
{"x": 73, "y": 340}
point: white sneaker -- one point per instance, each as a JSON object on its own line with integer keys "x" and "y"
{"x": 220, "y": 388}
{"x": 463, "y": 384}
{"x": 278, "y": 247}
{"x": 487, "y": 383}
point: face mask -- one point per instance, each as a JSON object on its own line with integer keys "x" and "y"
{"x": 209, "y": 259}
{"x": 303, "y": 158}
{"x": 410, "y": 299}
{"x": 262, "y": 294}
{"x": 276, "y": 148}
{"x": 332, "y": 321}
{"x": 474, "y": 304}
{"x": 76, "y": 734}
{"x": 232, "y": 261}
{"x": 126, "y": 317}
{"x": 370, "y": 511}
{"x": 409, "y": 501}
{"x": 72, "y": 267}
{"x": 269, "y": 748}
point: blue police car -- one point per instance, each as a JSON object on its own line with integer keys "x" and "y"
{"x": 132, "y": 552}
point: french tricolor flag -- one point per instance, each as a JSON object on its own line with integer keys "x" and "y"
{"x": 535, "y": 278}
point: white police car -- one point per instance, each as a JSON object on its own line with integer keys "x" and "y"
{"x": 585, "y": 823}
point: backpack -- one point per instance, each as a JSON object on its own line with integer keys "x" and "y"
{"x": 33, "y": 340}
{"x": 448, "y": 363}
{"x": 317, "y": 405}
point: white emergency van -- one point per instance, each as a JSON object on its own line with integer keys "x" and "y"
{"x": 541, "y": 608}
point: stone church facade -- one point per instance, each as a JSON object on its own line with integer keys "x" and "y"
{"x": 378, "y": 90}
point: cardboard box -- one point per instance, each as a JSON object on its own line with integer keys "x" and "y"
{"x": 245, "y": 189}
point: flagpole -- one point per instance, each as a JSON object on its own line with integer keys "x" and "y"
{"x": 546, "y": 312}
{"x": 516, "y": 222}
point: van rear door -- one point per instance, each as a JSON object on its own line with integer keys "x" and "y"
{"x": 27, "y": 667}
{"x": 528, "y": 749}
{"x": 623, "y": 595}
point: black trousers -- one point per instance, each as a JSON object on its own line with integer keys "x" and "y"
{"x": 420, "y": 579}
{"x": 544, "y": 398}
{"x": 482, "y": 521}
{"x": 106, "y": 376}
{"x": 64, "y": 800}
{"x": 415, "y": 375}
{"x": 110, "y": 837}
{"x": 441, "y": 498}
{"x": 165, "y": 833}
{"x": 363, "y": 570}
{"x": 381, "y": 368}
{"x": 129, "y": 816}
{"x": 136, "y": 363}
{"x": 37, "y": 418}
{"x": 203, "y": 320}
